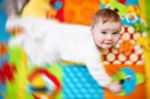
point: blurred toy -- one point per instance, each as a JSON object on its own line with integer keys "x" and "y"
{"x": 7, "y": 73}
{"x": 126, "y": 47}
{"x": 105, "y": 1}
{"x": 39, "y": 8}
{"x": 145, "y": 43}
{"x": 133, "y": 9}
{"x": 128, "y": 79}
{"x": 43, "y": 84}
{"x": 129, "y": 13}
{"x": 3, "y": 49}
{"x": 114, "y": 5}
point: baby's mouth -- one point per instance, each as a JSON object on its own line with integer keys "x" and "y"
{"x": 110, "y": 43}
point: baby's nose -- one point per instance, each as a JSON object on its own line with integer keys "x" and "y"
{"x": 109, "y": 37}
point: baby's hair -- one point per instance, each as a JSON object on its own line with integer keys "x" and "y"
{"x": 106, "y": 15}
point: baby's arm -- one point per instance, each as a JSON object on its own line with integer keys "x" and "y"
{"x": 98, "y": 72}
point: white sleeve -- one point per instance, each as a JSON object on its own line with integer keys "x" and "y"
{"x": 92, "y": 59}
{"x": 38, "y": 52}
{"x": 98, "y": 73}
{"x": 97, "y": 70}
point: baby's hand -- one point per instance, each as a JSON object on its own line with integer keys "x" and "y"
{"x": 114, "y": 87}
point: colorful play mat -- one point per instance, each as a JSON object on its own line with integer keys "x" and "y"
{"x": 128, "y": 62}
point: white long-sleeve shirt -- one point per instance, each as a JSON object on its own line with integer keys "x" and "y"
{"x": 46, "y": 41}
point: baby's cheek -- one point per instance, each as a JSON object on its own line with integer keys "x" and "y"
{"x": 115, "y": 43}
{"x": 98, "y": 41}
{"x": 116, "y": 39}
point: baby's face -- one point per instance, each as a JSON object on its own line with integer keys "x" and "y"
{"x": 106, "y": 35}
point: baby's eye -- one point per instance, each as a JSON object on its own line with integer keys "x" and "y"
{"x": 104, "y": 32}
{"x": 115, "y": 33}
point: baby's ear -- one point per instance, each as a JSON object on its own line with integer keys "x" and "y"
{"x": 91, "y": 29}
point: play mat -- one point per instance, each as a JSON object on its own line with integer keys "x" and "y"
{"x": 128, "y": 61}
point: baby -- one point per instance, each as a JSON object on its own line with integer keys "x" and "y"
{"x": 47, "y": 41}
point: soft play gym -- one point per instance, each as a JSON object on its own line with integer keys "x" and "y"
{"x": 20, "y": 80}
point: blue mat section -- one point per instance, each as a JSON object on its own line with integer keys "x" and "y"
{"x": 79, "y": 84}
{"x": 2, "y": 90}
{"x": 3, "y": 39}
{"x": 4, "y": 36}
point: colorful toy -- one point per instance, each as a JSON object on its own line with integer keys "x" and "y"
{"x": 129, "y": 13}
{"x": 145, "y": 43}
{"x": 128, "y": 79}
{"x": 3, "y": 49}
{"x": 22, "y": 73}
{"x": 43, "y": 84}
{"x": 39, "y": 8}
{"x": 105, "y": 1}
{"x": 31, "y": 81}
{"x": 120, "y": 7}
{"x": 126, "y": 47}
{"x": 25, "y": 86}
{"x": 7, "y": 73}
